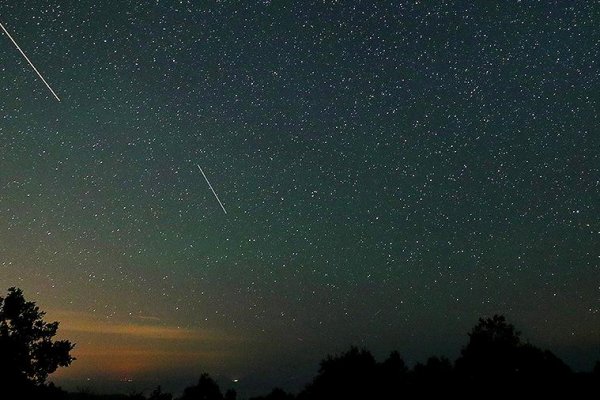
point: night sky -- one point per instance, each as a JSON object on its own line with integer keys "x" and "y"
{"x": 391, "y": 171}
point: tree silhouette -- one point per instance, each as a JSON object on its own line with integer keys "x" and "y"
{"x": 433, "y": 379}
{"x": 158, "y": 394}
{"x": 492, "y": 349}
{"x": 496, "y": 357}
{"x": 391, "y": 376}
{"x": 394, "y": 366}
{"x": 436, "y": 369}
{"x": 205, "y": 389}
{"x": 27, "y": 352}
{"x": 350, "y": 375}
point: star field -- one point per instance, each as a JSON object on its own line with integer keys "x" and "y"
{"x": 391, "y": 171}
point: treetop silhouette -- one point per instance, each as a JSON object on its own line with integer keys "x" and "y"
{"x": 495, "y": 352}
{"x": 28, "y": 353}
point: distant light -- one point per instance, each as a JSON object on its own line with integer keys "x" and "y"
{"x": 235, "y": 380}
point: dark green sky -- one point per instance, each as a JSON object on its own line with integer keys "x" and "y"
{"x": 391, "y": 171}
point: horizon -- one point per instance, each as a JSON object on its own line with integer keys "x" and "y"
{"x": 292, "y": 378}
{"x": 242, "y": 189}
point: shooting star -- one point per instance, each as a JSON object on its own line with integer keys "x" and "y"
{"x": 211, "y": 188}
{"x": 29, "y": 61}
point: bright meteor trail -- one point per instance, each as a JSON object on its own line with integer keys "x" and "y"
{"x": 211, "y": 188}
{"x": 29, "y": 61}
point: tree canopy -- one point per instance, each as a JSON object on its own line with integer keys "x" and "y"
{"x": 28, "y": 353}
{"x": 495, "y": 352}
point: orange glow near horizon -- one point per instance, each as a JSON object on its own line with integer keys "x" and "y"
{"x": 117, "y": 350}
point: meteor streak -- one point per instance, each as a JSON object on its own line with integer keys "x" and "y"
{"x": 29, "y": 61}
{"x": 211, "y": 188}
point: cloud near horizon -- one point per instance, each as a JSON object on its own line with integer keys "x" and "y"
{"x": 127, "y": 349}
{"x": 149, "y": 327}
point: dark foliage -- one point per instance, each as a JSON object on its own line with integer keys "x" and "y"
{"x": 158, "y": 394}
{"x": 91, "y": 396}
{"x": 494, "y": 361}
{"x": 276, "y": 394}
{"x": 350, "y": 374}
{"x": 28, "y": 353}
{"x": 205, "y": 389}
{"x": 495, "y": 356}
{"x": 231, "y": 395}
